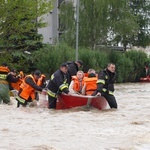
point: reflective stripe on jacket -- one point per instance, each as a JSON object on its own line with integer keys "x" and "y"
{"x": 58, "y": 82}
{"x": 21, "y": 100}
{"x": 52, "y": 94}
{"x": 105, "y": 82}
{"x": 27, "y": 90}
{"x": 3, "y": 75}
{"x": 64, "y": 85}
{"x": 108, "y": 91}
{"x": 100, "y": 81}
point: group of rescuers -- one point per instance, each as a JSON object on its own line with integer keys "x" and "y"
{"x": 68, "y": 79}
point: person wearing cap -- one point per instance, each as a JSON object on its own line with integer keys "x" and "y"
{"x": 57, "y": 84}
{"x": 28, "y": 89}
{"x": 73, "y": 68}
{"x": 90, "y": 83}
{"x": 4, "y": 84}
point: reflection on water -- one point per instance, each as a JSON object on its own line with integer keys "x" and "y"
{"x": 127, "y": 128}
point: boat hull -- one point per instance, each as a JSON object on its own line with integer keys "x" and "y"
{"x": 146, "y": 79}
{"x": 71, "y": 101}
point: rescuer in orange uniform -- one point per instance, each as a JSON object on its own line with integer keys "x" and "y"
{"x": 28, "y": 88}
{"x": 15, "y": 80}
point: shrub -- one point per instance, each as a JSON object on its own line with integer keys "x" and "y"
{"x": 124, "y": 67}
{"x": 139, "y": 58}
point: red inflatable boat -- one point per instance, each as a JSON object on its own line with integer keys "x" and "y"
{"x": 145, "y": 79}
{"x": 70, "y": 101}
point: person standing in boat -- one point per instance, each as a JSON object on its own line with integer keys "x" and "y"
{"x": 77, "y": 83}
{"x": 57, "y": 84}
{"x": 105, "y": 85}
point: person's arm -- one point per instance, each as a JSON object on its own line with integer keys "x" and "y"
{"x": 32, "y": 84}
{"x": 59, "y": 81}
{"x": 11, "y": 78}
{"x": 84, "y": 89}
{"x": 71, "y": 88}
{"x": 100, "y": 82}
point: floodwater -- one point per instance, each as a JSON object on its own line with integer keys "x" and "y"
{"x": 127, "y": 128}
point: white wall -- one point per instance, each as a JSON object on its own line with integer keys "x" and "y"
{"x": 47, "y": 31}
{"x": 50, "y": 32}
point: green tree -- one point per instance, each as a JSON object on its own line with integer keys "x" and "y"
{"x": 101, "y": 22}
{"x": 141, "y": 9}
{"x": 67, "y": 23}
{"x": 19, "y": 23}
{"x": 123, "y": 24}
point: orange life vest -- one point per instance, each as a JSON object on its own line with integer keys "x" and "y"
{"x": 4, "y": 69}
{"x": 77, "y": 87}
{"x": 91, "y": 85}
{"x": 27, "y": 90}
{"x": 86, "y": 74}
{"x": 40, "y": 80}
{"x": 16, "y": 86}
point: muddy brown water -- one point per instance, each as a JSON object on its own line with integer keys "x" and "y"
{"x": 127, "y": 128}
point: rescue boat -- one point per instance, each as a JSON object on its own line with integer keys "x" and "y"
{"x": 145, "y": 79}
{"x": 71, "y": 101}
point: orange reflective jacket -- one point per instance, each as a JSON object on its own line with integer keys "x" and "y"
{"x": 16, "y": 86}
{"x": 27, "y": 90}
{"x": 4, "y": 69}
{"x": 91, "y": 85}
{"x": 77, "y": 84}
{"x": 86, "y": 74}
{"x": 40, "y": 80}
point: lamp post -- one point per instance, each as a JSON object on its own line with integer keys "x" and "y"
{"x": 77, "y": 27}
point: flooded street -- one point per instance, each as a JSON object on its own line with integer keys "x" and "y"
{"x": 127, "y": 128}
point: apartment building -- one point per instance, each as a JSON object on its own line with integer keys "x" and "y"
{"x": 51, "y": 32}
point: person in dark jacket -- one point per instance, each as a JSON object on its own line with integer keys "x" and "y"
{"x": 57, "y": 84}
{"x": 73, "y": 68}
{"x": 105, "y": 85}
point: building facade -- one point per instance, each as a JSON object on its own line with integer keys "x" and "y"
{"x": 51, "y": 32}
